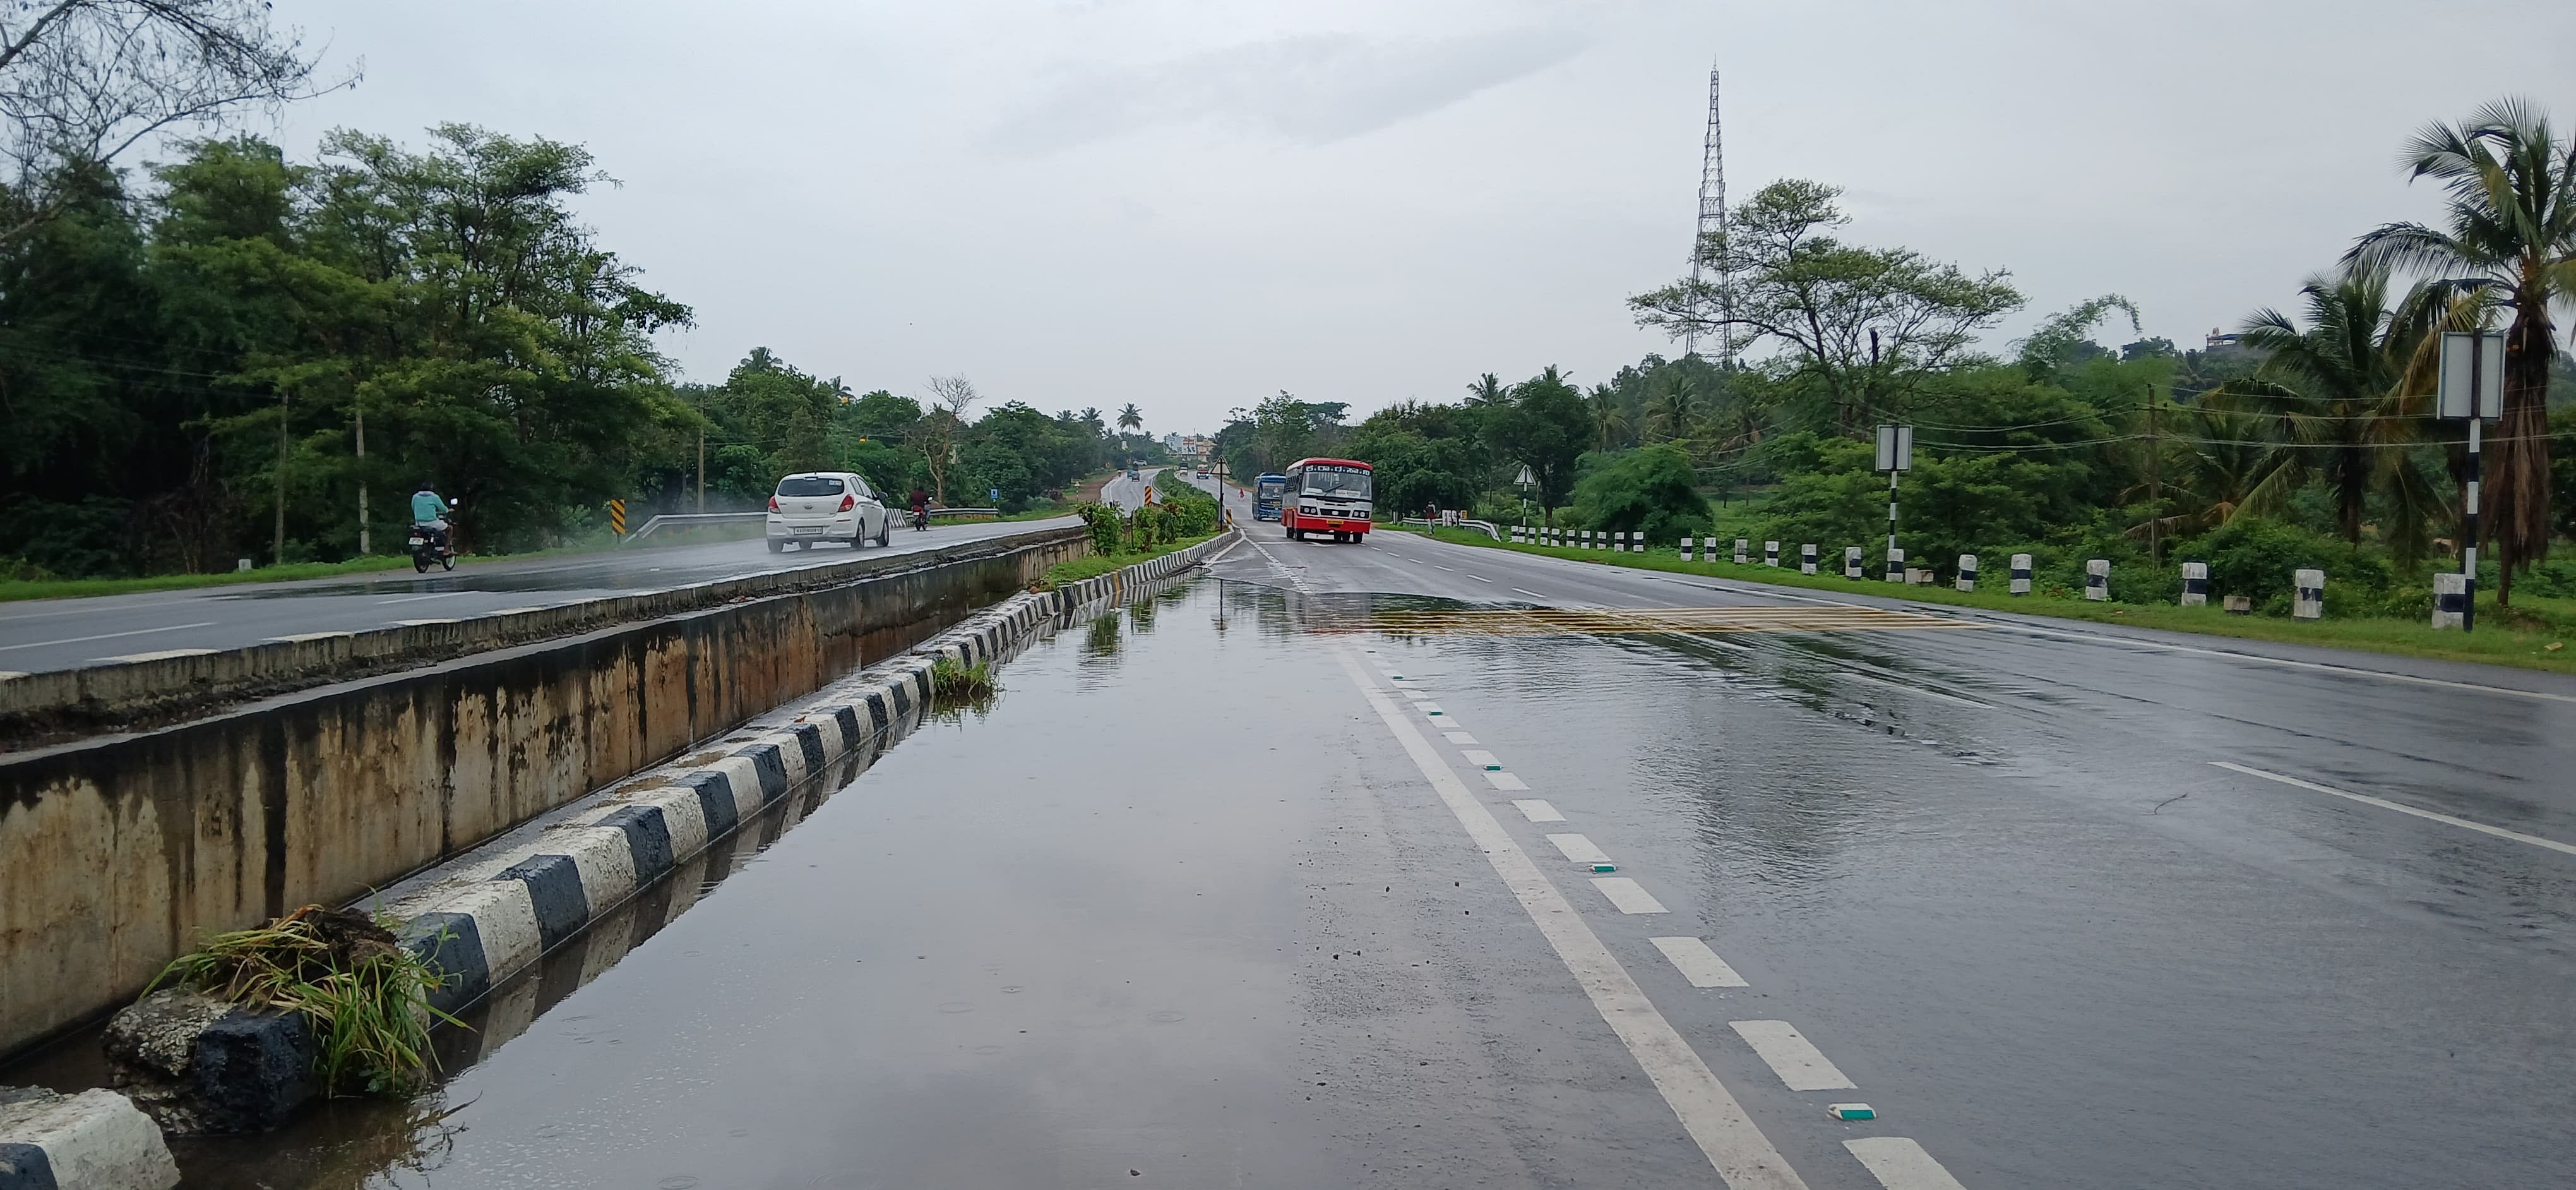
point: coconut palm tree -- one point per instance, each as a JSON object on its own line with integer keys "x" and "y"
{"x": 1486, "y": 391}
{"x": 2510, "y": 238}
{"x": 1130, "y": 419}
{"x": 2335, "y": 399}
{"x": 1609, "y": 423}
{"x": 1670, "y": 413}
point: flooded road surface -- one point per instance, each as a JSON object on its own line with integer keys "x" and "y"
{"x": 1266, "y": 883}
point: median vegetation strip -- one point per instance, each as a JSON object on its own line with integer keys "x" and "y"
{"x": 2522, "y": 635}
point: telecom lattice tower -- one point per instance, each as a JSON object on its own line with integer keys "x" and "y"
{"x": 1712, "y": 222}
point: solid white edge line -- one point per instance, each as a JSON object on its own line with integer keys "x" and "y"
{"x": 75, "y": 640}
{"x": 2385, "y": 804}
{"x": 1734, "y": 1145}
{"x": 1900, "y": 1164}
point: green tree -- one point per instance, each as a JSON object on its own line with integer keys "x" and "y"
{"x": 1544, "y": 428}
{"x": 1651, "y": 489}
{"x": 2336, "y": 398}
{"x": 1864, "y": 325}
{"x": 2510, "y": 238}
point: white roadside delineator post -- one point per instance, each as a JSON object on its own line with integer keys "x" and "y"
{"x": 1708, "y": 549}
{"x": 1770, "y": 553}
{"x": 1807, "y": 558}
{"x": 2308, "y": 601}
{"x": 2020, "y": 584}
{"x": 2097, "y": 578}
{"x": 1686, "y": 542}
{"x": 2450, "y": 598}
{"x": 1743, "y": 549}
{"x": 2195, "y": 584}
{"x": 1851, "y": 562}
{"x": 1967, "y": 572}
{"x": 1895, "y": 564}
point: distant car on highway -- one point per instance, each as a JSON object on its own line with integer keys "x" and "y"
{"x": 816, "y": 506}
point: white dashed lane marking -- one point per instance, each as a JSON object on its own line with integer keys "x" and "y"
{"x": 1698, "y": 963}
{"x": 1458, "y": 737}
{"x": 1480, "y": 578}
{"x": 1481, "y": 758}
{"x": 74, "y": 640}
{"x": 1579, "y": 849}
{"x": 1901, "y": 1164}
{"x": 1510, "y": 782}
{"x": 1537, "y": 810}
{"x": 1743, "y": 1157}
{"x": 1795, "y": 1059}
{"x": 1627, "y": 896}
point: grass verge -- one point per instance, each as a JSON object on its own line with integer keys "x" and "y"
{"x": 951, "y": 679}
{"x": 2530, "y": 635}
{"x": 1099, "y": 564}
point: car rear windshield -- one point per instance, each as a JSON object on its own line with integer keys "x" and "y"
{"x": 809, "y": 485}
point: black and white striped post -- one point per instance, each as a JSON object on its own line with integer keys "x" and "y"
{"x": 2097, "y": 579}
{"x": 2308, "y": 594}
{"x": 1770, "y": 553}
{"x": 2020, "y": 584}
{"x": 1851, "y": 562}
{"x": 1807, "y": 558}
{"x": 2195, "y": 584}
{"x": 1708, "y": 549}
{"x": 1967, "y": 572}
{"x": 1686, "y": 544}
{"x": 1895, "y": 457}
{"x": 2470, "y": 386}
{"x": 1743, "y": 549}
{"x": 1619, "y": 542}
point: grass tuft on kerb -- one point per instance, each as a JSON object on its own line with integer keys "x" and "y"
{"x": 364, "y": 995}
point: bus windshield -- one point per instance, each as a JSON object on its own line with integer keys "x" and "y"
{"x": 1348, "y": 482}
{"x": 1270, "y": 485}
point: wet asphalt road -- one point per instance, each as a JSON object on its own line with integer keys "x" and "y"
{"x": 1208, "y": 896}
{"x": 50, "y": 634}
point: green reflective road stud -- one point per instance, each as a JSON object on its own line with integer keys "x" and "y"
{"x": 1605, "y": 867}
{"x": 1848, "y": 1112}
{"x": 1493, "y": 768}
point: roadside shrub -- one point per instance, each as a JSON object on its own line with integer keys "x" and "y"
{"x": 365, "y": 996}
{"x": 1108, "y": 526}
{"x": 2260, "y": 558}
{"x": 1651, "y": 489}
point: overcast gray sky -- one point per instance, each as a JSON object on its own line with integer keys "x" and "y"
{"x": 1192, "y": 204}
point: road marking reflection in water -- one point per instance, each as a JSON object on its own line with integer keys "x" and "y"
{"x": 1800, "y": 1065}
{"x": 1742, "y": 1155}
{"x": 1628, "y": 896}
{"x": 2385, "y": 804}
{"x": 1538, "y": 810}
{"x": 1698, "y": 963}
{"x": 1901, "y": 1164}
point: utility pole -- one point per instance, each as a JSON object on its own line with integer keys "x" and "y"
{"x": 702, "y": 464}
{"x": 361, "y": 408}
{"x": 277, "y": 543}
{"x": 2155, "y": 486}
{"x": 2461, "y": 391}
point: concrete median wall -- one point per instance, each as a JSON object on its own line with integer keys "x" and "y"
{"x": 119, "y": 852}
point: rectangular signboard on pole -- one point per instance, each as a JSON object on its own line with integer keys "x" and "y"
{"x": 1895, "y": 448}
{"x": 2467, "y": 354}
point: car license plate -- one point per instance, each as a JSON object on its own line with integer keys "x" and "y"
{"x": 809, "y": 530}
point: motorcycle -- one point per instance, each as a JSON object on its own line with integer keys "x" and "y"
{"x": 921, "y": 518}
{"x": 431, "y": 544}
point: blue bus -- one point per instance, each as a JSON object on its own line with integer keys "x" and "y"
{"x": 1268, "y": 491}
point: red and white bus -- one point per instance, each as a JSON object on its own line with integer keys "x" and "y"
{"x": 1327, "y": 496}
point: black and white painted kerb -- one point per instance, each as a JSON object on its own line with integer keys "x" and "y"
{"x": 95, "y": 1140}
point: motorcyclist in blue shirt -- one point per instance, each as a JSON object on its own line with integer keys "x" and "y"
{"x": 429, "y": 514}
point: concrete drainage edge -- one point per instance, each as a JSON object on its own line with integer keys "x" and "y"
{"x": 499, "y": 913}
{"x": 504, "y": 912}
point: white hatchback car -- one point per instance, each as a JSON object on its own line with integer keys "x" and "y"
{"x": 814, "y": 506}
